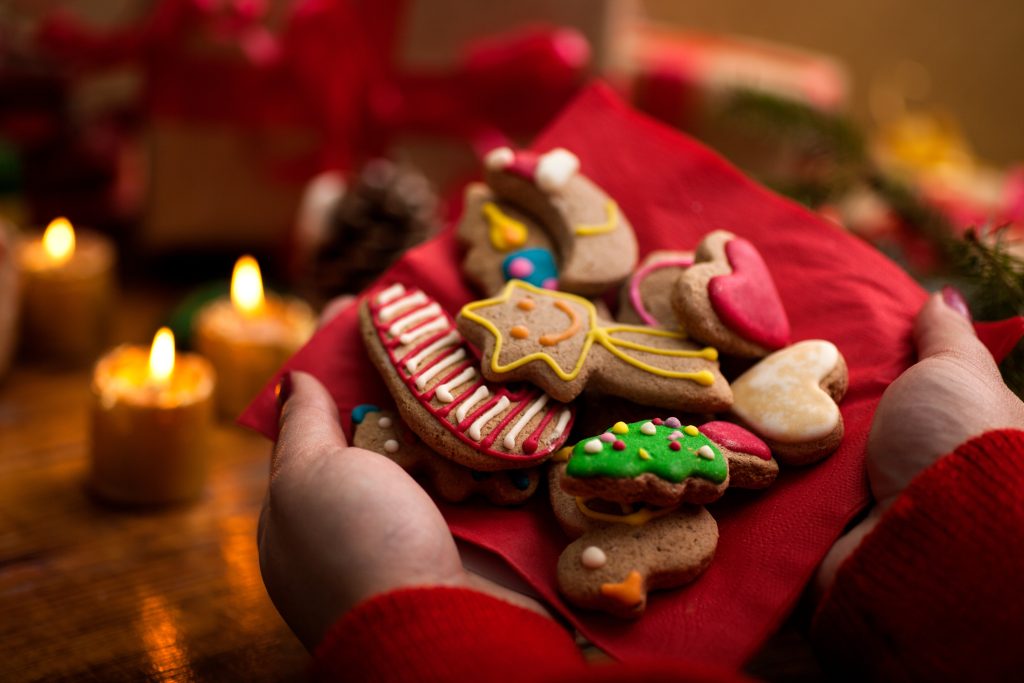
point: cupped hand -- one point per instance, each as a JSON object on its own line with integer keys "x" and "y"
{"x": 952, "y": 394}
{"x": 341, "y": 524}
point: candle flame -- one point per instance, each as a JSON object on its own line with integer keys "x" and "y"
{"x": 161, "y": 356}
{"x": 247, "y": 286}
{"x": 59, "y": 240}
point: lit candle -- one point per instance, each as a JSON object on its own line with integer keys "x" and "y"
{"x": 67, "y": 293}
{"x": 151, "y": 417}
{"x": 249, "y": 335}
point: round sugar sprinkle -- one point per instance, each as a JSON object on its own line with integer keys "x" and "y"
{"x": 607, "y": 437}
{"x": 391, "y": 446}
{"x": 706, "y": 452}
{"x": 619, "y": 445}
{"x": 648, "y": 428}
{"x": 384, "y": 422}
{"x": 675, "y": 446}
{"x": 593, "y": 557}
{"x": 593, "y": 446}
{"x": 658, "y": 421}
{"x": 691, "y": 430}
{"x": 675, "y": 435}
{"x": 620, "y": 428}
{"x": 673, "y": 422}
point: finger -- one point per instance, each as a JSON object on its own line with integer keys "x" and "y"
{"x": 309, "y": 423}
{"x": 334, "y": 307}
{"x": 942, "y": 329}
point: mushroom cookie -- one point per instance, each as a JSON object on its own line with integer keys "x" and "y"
{"x": 790, "y": 399}
{"x": 557, "y": 341}
{"x": 659, "y": 462}
{"x": 728, "y": 299}
{"x": 645, "y": 297}
{"x": 382, "y": 431}
{"x": 439, "y": 391}
{"x": 597, "y": 249}
{"x": 503, "y": 243}
{"x": 620, "y": 555}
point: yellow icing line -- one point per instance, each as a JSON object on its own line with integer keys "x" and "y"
{"x": 599, "y": 334}
{"x": 562, "y": 454}
{"x": 638, "y": 518}
{"x": 506, "y": 232}
{"x": 611, "y": 211}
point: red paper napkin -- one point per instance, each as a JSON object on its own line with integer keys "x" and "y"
{"x": 834, "y": 287}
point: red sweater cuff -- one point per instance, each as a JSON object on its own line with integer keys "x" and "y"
{"x": 444, "y": 634}
{"x": 934, "y": 591}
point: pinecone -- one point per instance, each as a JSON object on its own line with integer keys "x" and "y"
{"x": 387, "y": 209}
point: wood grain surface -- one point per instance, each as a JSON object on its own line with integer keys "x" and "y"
{"x": 91, "y": 592}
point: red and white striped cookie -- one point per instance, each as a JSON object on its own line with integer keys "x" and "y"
{"x": 435, "y": 380}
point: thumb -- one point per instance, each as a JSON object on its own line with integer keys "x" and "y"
{"x": 943, "y": 326}
{"x": 309, "y": 423}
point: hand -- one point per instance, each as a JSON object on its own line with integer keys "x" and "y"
{"x": 341, "y": 524}
{"x": 952, "y": 394}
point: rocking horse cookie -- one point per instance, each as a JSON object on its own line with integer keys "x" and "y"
{"x": 436, "y": 382}
{"x": 728, "y": 299}
{"x": 597, "y": 249}
{"x": 558, "y": 342}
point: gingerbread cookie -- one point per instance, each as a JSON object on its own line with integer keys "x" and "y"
{"x": 435, "y": 380}
{"x": 597, "y": 249}
{"x": 645, "y": 298}
{"x": 620, "y": 555}
{"x": 751, "y": 465}
{"x": 557, "y": 341}
{"x": 503, "y": 243}
{"x": 382, "y": 431}
{"x": 728, "y": 299}
{"x": 658, "y": 462}
{"x": 790, "y": 399}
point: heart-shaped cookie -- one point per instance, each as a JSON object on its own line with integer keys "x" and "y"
{"x": 728, "y": 298}
{"x": 790, "y": 400}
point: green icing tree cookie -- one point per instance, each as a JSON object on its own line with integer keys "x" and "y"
{"x": 662, "y": 448}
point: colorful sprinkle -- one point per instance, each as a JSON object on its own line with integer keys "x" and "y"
{"x": 607, "y": 437}
{"x": 391, "y": 446}
{"x": 620, "y": 428}
{"x": 648, "y": 428}
{"x": 673, "y": 422}
{"x": 520, "y": 332}
{"x": 691, "y": 430}
{"x": 658, "y": 421}
{"x": 706, "y": 452}
{"x": 676, "y": 435}
{"x": 619, "y": 445}
{"x": 593, "y": 446}
{"x": 593, "y": 557}
{"x": 644, "y": 455}
{"x": 675, "y": 446}
{"x": 384, "y": 422}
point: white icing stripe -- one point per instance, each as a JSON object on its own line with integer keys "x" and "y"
{"x": 390, "y": 294}
{"x": 407, "y": 321}
{"x": 408, "y": 301}
{"x": 437, "y": 367}
{"x": 509, "y": 442}
{"x": 480, "y": 394}
{"x": 444, "y": 392}
{"x": 563, "y": 420}
{"x": 447, "y": 340}
{"x": 433, "y": 326}
{"x": 474, "y": 429}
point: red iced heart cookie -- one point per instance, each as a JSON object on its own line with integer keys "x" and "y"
{"x": 746, "y": 299}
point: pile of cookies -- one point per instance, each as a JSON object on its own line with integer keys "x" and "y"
{"x": 486, "y": 399}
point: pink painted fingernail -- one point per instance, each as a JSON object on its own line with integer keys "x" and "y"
{"x": 955, "y": 300}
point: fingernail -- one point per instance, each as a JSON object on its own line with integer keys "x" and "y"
{"x": 955, "y": 300}
{"x": 283, "y": 390}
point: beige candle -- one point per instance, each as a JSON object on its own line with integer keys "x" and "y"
{"x": 249, "y": 336}
{"x": 151, "y": 418}
{"x": 67, "y": 294}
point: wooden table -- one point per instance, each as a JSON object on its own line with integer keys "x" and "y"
{"x": 99, "y": 593}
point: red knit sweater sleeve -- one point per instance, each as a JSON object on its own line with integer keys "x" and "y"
{"x": 936, "y": 590}
{"x": 438, "y": 634}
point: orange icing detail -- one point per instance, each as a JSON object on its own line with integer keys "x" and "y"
{"x": 630, "y": 592}
{"x": 526, "y": 304}
{"x": 574, "y": 326}
{"x": 520, "y": 332}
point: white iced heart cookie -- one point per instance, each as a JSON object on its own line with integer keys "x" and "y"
{"x": 790, "y": 400}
